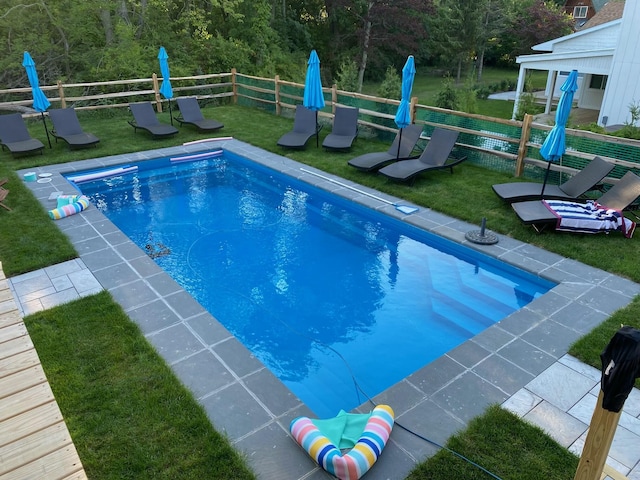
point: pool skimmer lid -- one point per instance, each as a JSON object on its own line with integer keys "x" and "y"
{"x": 481, "y": 236}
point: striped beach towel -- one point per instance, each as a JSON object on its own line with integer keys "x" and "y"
{"x": 589, "y": 217}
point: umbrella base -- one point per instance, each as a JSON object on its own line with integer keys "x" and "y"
{"x": 482, "y": 238}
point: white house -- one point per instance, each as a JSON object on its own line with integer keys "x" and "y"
{"x": 607, "y": 57}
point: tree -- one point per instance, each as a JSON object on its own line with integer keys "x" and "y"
{"x": 534, "y": 22}
{"x": 494, "y": 23}
{"x": 467, "y": 18}
{"x": 382, "y": 29}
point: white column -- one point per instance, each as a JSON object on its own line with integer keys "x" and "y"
{"x": 519, "y": 89}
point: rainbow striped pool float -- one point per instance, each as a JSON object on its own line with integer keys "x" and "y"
{"x": 76, "y": 204}
{"x": 360, "y": 458}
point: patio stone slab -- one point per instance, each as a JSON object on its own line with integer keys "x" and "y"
{"x": 561, "y": 426}
{"x": 561, "y": 386}
{"x": 234, "y": 411}
{"x": 203, "y": 373}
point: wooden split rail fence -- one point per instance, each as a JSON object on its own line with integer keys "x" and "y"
{"x": 270, "y": 93}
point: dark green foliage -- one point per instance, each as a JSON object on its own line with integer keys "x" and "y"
{"x": 105, "y": 40}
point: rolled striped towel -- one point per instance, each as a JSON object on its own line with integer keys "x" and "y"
{"x": 78, "y": 205}
{"x": 589, "y": 217}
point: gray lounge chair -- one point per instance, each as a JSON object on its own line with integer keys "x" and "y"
{"x": 304, "y": 127}
{"x": 583, "y": 181}
{"x": 67, "y": 127}
{"x": 191, "y": 114}
{"x": 436, "y": 156}
{"x": 344, "y": 130}
{"x": 15, "y": 137}
{"x": 145, "y": 118}
{"x": 375, "y": 160}
{"x": 618, "y": 197}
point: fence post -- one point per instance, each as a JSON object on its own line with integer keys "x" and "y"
{"x": 234, "y": 87}
{"x": 156, "y": 89}
{"x": 413, "y": 108}
{"x": 334, "y": 97}
{"x": 63, "y": 102}
{"x": 525, "y": 133}
{"x": 277, "y": 94}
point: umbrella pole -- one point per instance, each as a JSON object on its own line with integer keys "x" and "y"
{"x": 317, "y": 132}
{"x": 45, "y": 128}
{"x": 170, "y": 116}
{"x": 546, "y": 177}
{"x": 399, "y": 145}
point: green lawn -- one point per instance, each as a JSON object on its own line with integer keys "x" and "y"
{"x": 502, "y": 444}
{"x": 427, "y": 85}
{"x": 96, "y": 377}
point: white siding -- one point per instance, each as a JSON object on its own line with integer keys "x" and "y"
{"x": 602, "y": 38}
{"x": 623, "y": 87}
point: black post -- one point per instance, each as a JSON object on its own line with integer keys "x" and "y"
{"x": 546, "y": 177}
{"x": 45, "y": 128}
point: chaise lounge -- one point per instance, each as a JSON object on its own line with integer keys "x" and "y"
{"x": 537, "y": 214}
{"x": 407, "y": 141}
{"x": 67, "y": 127}
{"x": 583, "y": 181}
{"x": 145, "y": 118}
{"x": 15, "y": 137}
{"x": 436, "y": 156}
{"x": 344, "y": 130}
{"x": 191, "y": 114}
{"x": 304, "y": 127}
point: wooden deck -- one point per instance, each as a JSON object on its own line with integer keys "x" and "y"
{"x": 34, "y": 440}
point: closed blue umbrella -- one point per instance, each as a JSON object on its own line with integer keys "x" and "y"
{"x": 40, "y": 101}
{"x": 165, "y": 86}
{"x": 313, "y": 97}
{"x": 403, "y": 115}
{"x": 554, "y": 145}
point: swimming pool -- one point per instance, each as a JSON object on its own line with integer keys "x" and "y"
{"x": 309, "y": 282}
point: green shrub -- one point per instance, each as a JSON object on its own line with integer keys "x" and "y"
{"x": 527, "y": 104}
{"x": 348, "y": 76}
{"x": 391, "y": 85}
{"x": 448, "y": 96}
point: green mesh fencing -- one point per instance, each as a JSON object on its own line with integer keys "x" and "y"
{"x": 481, "y": 136}
{"x": 486, "y": 129}
{"x": 264, "y": 98}
{"x": 591, "y": 146}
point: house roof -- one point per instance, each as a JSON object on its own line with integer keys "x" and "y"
{"x": 610, "y": 11}
{"x": 598, "y": 4}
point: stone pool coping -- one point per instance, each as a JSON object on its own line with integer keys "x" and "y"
{"x": 244, "y": 400}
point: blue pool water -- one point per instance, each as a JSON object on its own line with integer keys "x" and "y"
{"x": 325, "y": 292}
